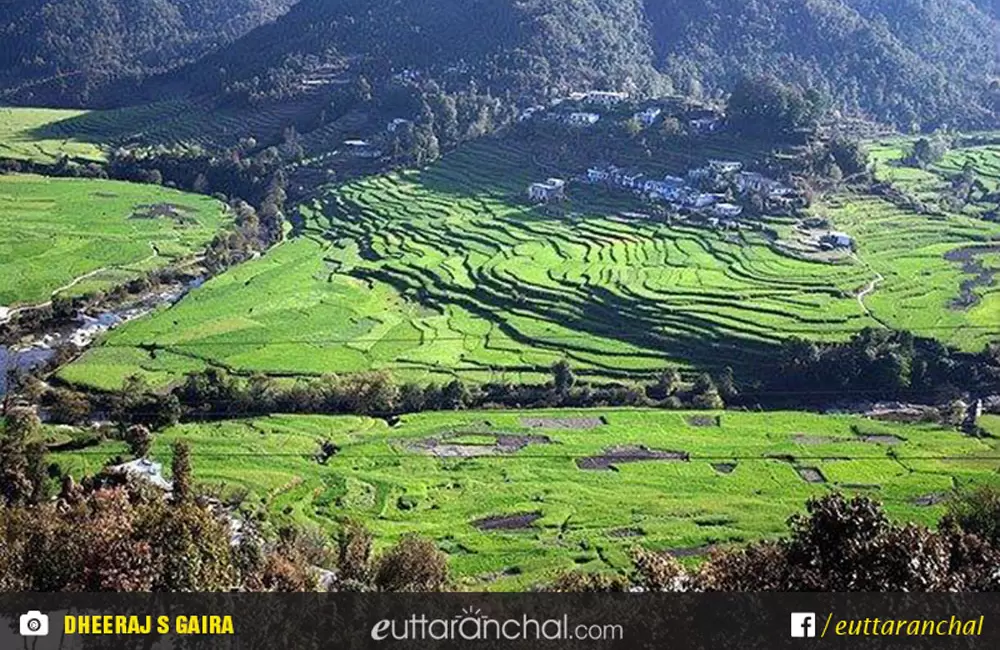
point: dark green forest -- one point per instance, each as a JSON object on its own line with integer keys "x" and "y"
{"x": 66, "y": 52}
{"x": 913, "y": 63}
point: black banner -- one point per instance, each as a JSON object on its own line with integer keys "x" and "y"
{"x": 328, "y": 621}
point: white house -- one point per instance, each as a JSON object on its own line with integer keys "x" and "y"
{"x": 756, "y": 182}
{"x": 396, "y": 124}
{"x": 706, "y": 124}
{"x": 582, "y": 119}
{"x": 144, "y": 470}
{"x": 649, "y": 116}
{"x": 725, "y": 166}
{"x": 633, "y": 180}
{"x": 598, "y": 174}
{"x": 838, "y": 240}
{"x": 552, "y": 189}
{"x": 727, "y": 210}
{"x": 606, "y": 98}
{"x": 530, "y": 112}
{"x": 698, "y": 200}
{"x": 362, "y": 149}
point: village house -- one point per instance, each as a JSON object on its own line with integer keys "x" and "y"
{"x": 550, "y": 190}
{"x": 837, "y": 240}
{"x": 606, "y": 98}
{"x": 397, "y": 124}
{"x": 722, "y": 167}
{"x": 362, "y": 149}
{"x": 144, "y": 470}
{"x": 747, "y": 182}
{"x": 727, "y": 210}
{"x": 649, "y": 116}
{"x": 530, "y": 112}
{"x": 705, "y": 124}
{"x": 582, "y": 119}
{"x": 598, "y": 174}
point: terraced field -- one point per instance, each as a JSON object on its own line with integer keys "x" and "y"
{"x": 447, "y": 270}
{"x": 75, "y": 235}
{"x": 22, "y": 136}
{"x": 514, "y": 497}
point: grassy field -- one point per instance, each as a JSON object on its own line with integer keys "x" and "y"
{"x": 29, "y": 134}
{"x": 447, "y": 270}
{"x": 77, "y": 235}
{"x": 438, "y": 473}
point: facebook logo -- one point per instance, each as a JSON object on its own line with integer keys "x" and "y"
{"x": 803, "y": 625}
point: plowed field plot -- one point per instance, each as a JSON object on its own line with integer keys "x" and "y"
{"x": 512, "y": 519}
{"x": 449, "y": 271}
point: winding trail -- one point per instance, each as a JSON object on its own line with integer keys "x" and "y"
{"x": 869, "y": 289}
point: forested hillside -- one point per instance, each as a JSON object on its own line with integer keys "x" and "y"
{"x": 910, "y": 62}
{"x": 65, "y": 51}
{"x": 904, "y": 61}
{"x": 914, "y": 63}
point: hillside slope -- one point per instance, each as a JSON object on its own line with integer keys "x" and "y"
{"x": 65, "y": 51}
{"x": 904, "y": 61}
{"x": 910, "y": 62}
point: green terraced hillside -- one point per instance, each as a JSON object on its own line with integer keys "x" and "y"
{"x": 515, "y": 497}
{"x": 449, "y": 270}
{"x": 75, "y": 235}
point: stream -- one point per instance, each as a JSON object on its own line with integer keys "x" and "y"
{"x": 40, "y": 347}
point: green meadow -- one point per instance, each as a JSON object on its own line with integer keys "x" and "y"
{"x": 29, "y": 134}
{"x": 70, "y": 236}
{"x": 731, "y": 477}
{"x": 448, "y": 271}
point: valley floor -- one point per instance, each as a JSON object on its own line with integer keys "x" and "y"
{"x": 515, "y": 497}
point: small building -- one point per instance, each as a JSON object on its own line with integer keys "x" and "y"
{"x": 550, "y": 190}
{"x": 530, "y": 112}
{"x": 727, "y": 210}
{"x": 837, "y": 240}
{"x": 632, "y": 180}
{"x": 144, "y": 470}
{"x": 649, "y": 116}
{"x": 606, "y": 98}
{"x": 582, "y": 119}
{"x": 362, "y": 149}
{"x": 705, "y": 124}
{"x": 699, "y": 200}
{"x": 724, "y": 166}
{"x": 598, "y": 174}
{"x": 396, "y": 124}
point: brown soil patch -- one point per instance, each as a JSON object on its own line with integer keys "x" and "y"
{"x": 724, "y": 468}
{"x": 562, "y": 423}
{"x": 629, "y": 454}
{"x": 627, "y": 532}
{"x": 703, "y": 420}
{"x": 503, "y": 444}
{"x": 520, "y": 521}
{"x": 811, "y": 475}
{"x": 929, "y": 500}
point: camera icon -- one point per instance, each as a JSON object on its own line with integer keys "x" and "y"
{"x": 34, "y": 623}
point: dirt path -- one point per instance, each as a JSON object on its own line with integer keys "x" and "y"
{"x": 869, "y": 289}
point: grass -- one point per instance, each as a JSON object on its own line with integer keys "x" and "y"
{"x": 380, "y": 477}
{"x": 446, "y": 271}
{"x": 78, "y": 235}
{"x": 22, "y": 137}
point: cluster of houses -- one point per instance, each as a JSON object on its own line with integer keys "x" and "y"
{"x": 684, "y": 193}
